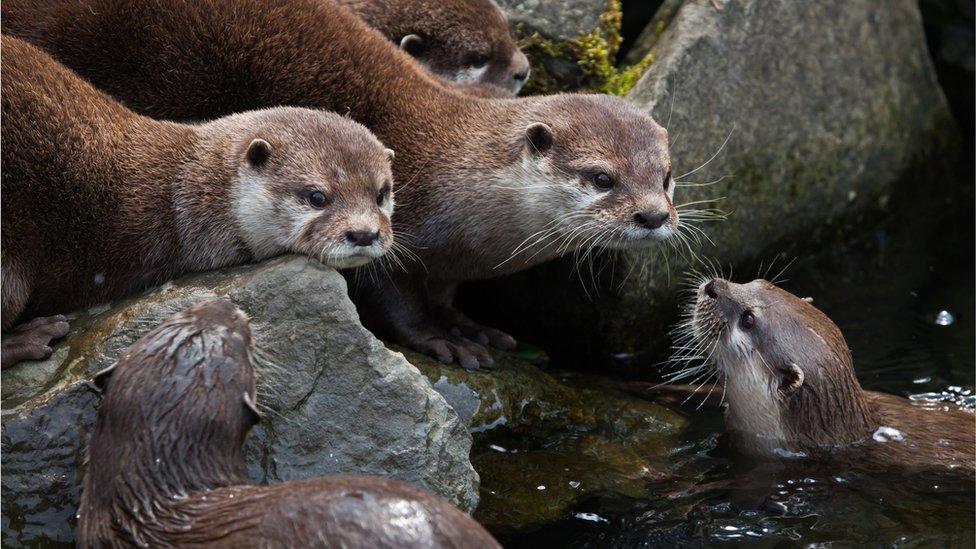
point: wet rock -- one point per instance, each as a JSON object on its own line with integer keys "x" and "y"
{"x": 823, "y": 122}
{"x": 338, "y": 401}
{"x": 547, "y": 441}
{"x": 558, "y": 19}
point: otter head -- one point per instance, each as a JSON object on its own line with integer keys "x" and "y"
{"x": 786, "y": 368}
{"x": 178, "y": 405}
{"x": 467, "y": 43}
{"x": 597, "y": 171}
{"x": 314, "y": 183}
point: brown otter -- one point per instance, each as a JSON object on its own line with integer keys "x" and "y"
{"x": 791, "y": 390}
{"x": 489, "y": 186}
{"x": 99, "y": 202}
{"x": 166, "y": 461}
{"x": 462, "y": 41}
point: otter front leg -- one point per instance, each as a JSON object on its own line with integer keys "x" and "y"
{"x": 441, "y": 295}
{"x": 401, "y": 311}
{"x": 32, "y": 340}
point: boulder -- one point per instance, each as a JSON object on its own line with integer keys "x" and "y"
{"x": 804, "y": 116}
{"x": 338, "y": 400}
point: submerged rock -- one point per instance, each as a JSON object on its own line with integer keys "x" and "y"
{"x": 813, "y": 112}
{"x": 337, "y": 400}
{"x": 545, "y": 442}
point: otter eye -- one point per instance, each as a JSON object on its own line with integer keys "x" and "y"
{"x": 667, "y": 180}
{"x": 317, "y": 199}
{"x": 381, "y": 196}
{"x": 477, "y": 60}
{"x": 602, "y": 181}
{"x": 747, "y": 321}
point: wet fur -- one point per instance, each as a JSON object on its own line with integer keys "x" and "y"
{"x": 166, "y": 464}
{"x": 828, "y": 415}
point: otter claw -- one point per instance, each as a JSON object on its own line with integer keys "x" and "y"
{"x": 31, "y": 340}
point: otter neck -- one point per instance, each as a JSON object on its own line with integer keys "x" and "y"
{"x": 203, "y": 200}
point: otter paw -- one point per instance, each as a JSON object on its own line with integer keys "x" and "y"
{"x": 31, "y": 340}
{"x": 447, "y": 349}
{"x": 485, "y": 336}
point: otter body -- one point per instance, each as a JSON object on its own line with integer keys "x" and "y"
{"x": 489, "y": 186}
{"x": 462, "y": 41}
{"x": 166, "y": 462}
{"x": 791, "y": 391}
{"x": 99, "y": 202}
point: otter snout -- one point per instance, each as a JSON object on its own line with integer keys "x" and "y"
{"x": 651, "y": 219}
{"x": 520, "y": 71}
{"x": 362, "y": 238}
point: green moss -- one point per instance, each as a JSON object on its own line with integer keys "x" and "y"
{"x": 592, "y": 55}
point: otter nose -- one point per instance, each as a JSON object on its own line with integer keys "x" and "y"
{"x": 712, "y": 288}
{"x": 651, "y": 220}
{"x": 362, "y": 238}
{"x": 522, "y": 75}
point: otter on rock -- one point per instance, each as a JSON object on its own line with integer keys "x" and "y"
{"x": 462, "y": 41}
{"x": 487, "y": 186}
{"x": 791, "y": 390}
{"x": 100, "y": 203}
{"x": 166, "y": 460}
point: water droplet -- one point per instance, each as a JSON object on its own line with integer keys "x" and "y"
{"x": 99, "y": 279}
{"x": 944, "y": 318}
{"x": 574, "y": 484}
{"x": 541, "y": 487}
{"x": 921, "y": 380}
{"x": 497, "y": 448}
{"x": 887, "y": 434}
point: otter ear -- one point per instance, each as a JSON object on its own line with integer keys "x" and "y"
{"x": 412, "y": 44}
{"x": 538, "y": 137}
{"x": 390, "y": 155}
{"x": 792, "y": 379}
{"x": 100, "y": 379}
{"x": 256, "y": 415}
{"x": 258, "y": 153}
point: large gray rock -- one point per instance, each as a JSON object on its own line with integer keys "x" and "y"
{"x": 556, "y": 19}
{"x": 830, "y": 105}
{"x": 339, "y": 401}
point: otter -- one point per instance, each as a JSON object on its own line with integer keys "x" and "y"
{"x": 100, "y": 203}
{"x": 463, "y": 41}
{"x": 791, "y": 391}
{"x": 487, "y": 186}
{"x": 166, "y": 459}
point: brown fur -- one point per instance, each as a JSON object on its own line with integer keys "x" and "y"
{"x": 166, "y": 462}
{"x": 453, "y": 34}
{"x": 99, "y": 202}
{"x": 824, "y": 413}
{"x": 465, "y": 204}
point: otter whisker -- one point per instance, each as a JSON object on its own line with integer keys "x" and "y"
{"x": 682, "y": 176}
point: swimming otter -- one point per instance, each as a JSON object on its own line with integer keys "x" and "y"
{"x": 462, "y": 41}
{"x": 100, "y": 203}
{"x": 489, "y": 186}
{"x": 791, "y": 389}
{"x": 166, "y": 461}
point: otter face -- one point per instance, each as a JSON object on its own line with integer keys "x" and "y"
{"x": 781, "y": 360}
{"x": 604, "y": 172}
{"x": 325, "y": 192}
{"x": 469, "y": 45}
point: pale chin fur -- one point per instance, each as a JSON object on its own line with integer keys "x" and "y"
{"x": 470, "y": 75}
{"x": 752, "y": 397}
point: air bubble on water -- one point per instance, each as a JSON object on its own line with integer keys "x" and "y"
{"x": 944, "y": 318}
{"x": 592, "y": 517}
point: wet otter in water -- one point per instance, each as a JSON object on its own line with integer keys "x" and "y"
{"x": 166, "y": 460}
{"x": 791, "y": 391}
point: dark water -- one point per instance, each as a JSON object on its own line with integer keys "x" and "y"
{"x": 885, "y": 289}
